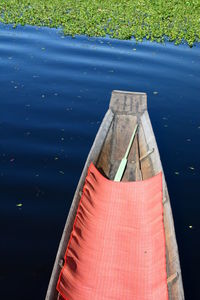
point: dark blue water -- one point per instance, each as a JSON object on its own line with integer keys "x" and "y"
{"x": 54, "y": 93}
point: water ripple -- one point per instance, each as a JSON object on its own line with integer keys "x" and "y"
{"x": 54, "y": 93}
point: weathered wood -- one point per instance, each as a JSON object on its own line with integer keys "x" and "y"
{"x": 122, "y": 130}
{"x": 147, "y": 154}
{"x": 146, "y": 164}
{"x": 173, "y": 264}
{"x": 104, "y": 162}
{"x": 128, "y": 102}
{"x": 172, "y": 277}
{"x": 115, "y": 146}
{"x": 126, "y": 109}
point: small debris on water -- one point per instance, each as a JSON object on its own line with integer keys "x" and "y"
{"x": 134, "y": 49}
{"x": 12, "y": 159}
{"x": 155, "y": 93}
{"x": 191, "y": 168}
{"x": 190, "y": 226}
{"x": 188, "y": 140}
{"x": 43, "y": 96}
{"x": 56, "y": 158}
{"x": 19, "y": 204}
{"x": 61, "y": 172}
{"x": 176, "y": 173}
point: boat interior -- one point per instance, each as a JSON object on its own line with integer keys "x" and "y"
{"x": 139, "y": 165}
{"x": 126, "y": 110}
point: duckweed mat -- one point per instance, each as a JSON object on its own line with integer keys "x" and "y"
{"x": 176, "y": 20}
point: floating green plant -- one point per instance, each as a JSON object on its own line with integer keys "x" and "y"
{"x": 176, "y": 20}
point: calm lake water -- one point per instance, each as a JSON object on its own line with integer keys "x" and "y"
{"x": 55, "y": 91}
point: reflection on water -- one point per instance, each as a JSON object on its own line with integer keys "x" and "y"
{"x": 54, "y": 93}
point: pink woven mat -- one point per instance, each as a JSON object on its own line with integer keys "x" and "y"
{"x": 117, "y": 245}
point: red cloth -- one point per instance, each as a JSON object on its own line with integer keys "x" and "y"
{"x": 117, "y": 245}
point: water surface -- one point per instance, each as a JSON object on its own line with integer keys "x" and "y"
{"x": 55, "y": 91}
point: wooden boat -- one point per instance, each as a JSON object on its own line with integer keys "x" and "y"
{"x": 125, "y": 110}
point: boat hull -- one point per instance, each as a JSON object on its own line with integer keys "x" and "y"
{"x": 126, "y": 109}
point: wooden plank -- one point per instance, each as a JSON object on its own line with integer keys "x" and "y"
{"x": 139, "y": 175}
{"x": 124, "y": 162}
{"x": 124, "y": 102}
{"x": 146, "y": 165}
{"x": 103, "y": 162}
{"x": 122, "y": 132}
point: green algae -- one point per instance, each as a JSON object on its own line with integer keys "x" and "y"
{"x": 156, "y": 20}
